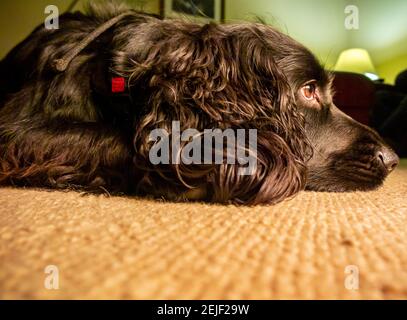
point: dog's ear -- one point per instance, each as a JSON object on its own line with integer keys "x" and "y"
{"x": 277, "y": 175}
{"x": 282, "y": 145}
{"x": 236, "y": 85}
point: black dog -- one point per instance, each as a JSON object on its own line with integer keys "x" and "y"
{"x": 77, "y": 106}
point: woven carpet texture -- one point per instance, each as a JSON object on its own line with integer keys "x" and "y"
{"x": 129, "y": 248}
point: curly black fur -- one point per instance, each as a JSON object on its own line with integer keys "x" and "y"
{"x": 68, "y": 130}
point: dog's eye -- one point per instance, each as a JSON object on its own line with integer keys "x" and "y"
{"x": 308, "y": 91}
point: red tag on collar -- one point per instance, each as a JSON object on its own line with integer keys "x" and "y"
{"x": 118, "y": 85}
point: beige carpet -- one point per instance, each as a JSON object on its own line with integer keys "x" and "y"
{"x": 140, "y": 249}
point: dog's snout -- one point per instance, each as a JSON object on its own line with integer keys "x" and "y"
{"x": 388, "y": 158}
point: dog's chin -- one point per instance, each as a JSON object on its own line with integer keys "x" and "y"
{"x": 345, "y": 175}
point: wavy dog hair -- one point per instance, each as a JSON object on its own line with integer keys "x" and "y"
{"x": 67, "y": 130}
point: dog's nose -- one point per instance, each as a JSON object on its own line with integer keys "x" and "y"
{"x": 388, "y": 158}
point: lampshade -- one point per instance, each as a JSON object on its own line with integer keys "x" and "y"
{"x": 356, "y": 60}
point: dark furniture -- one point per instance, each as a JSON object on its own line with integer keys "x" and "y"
{"x": 354, "y": 95}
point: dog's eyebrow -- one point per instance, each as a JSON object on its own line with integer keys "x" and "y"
{"x": 62, "y": 63}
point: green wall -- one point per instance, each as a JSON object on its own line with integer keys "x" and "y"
{"x": 383, "y": 32}
{"x": 319, "y": 24}
{"x": 391, "y": 68}
{"x": 313, "y": 22}
{"x": 20, "y": 17}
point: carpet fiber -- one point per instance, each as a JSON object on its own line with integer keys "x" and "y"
{"x": 142, "y": 249}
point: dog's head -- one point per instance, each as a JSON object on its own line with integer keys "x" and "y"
{"x": 248, "y": 76}
{"x": 347, "y": 155}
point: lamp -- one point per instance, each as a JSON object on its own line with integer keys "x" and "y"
{"x": 356, "y": 60}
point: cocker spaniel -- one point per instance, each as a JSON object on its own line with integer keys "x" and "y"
{"x": 78, "y": 105}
